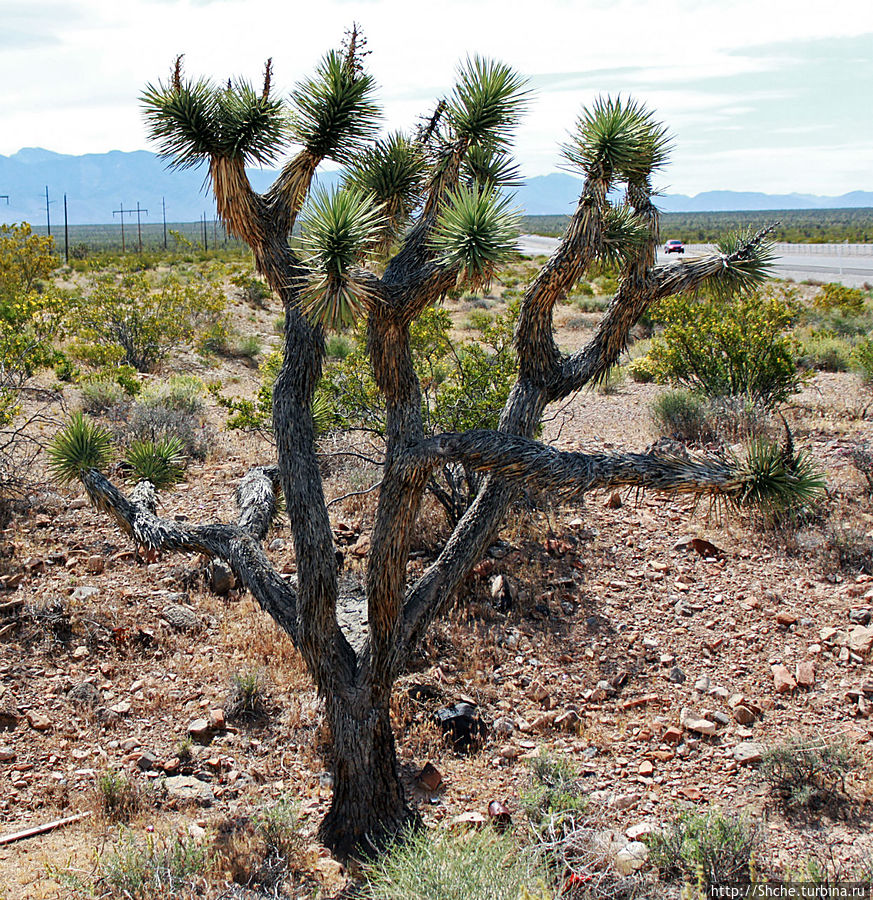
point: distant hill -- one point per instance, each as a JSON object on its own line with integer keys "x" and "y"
{"x": 96, "y": 184}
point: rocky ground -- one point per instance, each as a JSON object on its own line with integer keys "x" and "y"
{"x": 659, "y": 646}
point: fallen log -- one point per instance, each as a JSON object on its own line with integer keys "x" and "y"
{"x": 42, "y": 829}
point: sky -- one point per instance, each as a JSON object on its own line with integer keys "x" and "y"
{"x": 760, "y": 95}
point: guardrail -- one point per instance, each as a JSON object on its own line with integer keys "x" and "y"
{"x": 802, "y": 249}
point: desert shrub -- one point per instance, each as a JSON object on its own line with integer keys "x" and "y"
{"x": 251, "y": 287}
{"x": 259, "y": 851}
{"x": 101, "y": 395}
{"x": 151, "y": 869}
{"x": 157, "y": 422}
{"x": 825, "y": 351}
{"x": 446, "y": 865}
{"x": 809, "y": 774}
{"x": 118, "y": 797}
{"x": 846, "y": 300}
{"x": 862, "y": 359}
{"x": 729, "y": 348}
{"x": 683, "y": 416}
{"x": 553, "y": 799}
{"x": 478, "y": 320}
{"x": 180, "y": 392}
{"x": 719, "y": 846}
{"x": 29, "y": 323}
{"x": 337, "y": 347}
{"x": 247, "y": 699}
{"x": 643, "y": 370}
{"x": 145, "y": 320}
{"x": 850, "y": 548}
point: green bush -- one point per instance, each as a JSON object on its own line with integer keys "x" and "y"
{"x": 100, "y": 396}
{"x": 161, "y": 462}
{"x": 152, "y": 421}
{"x": 180, "y": 392}
{"x": 729, "y": 348}
{"x": 809, "y": 774}
{"x": 118, "y": 797}
{"x": 446, "y": 865}
{"x": 848, "y": 301}
{"x": 718, "y": 845}
{"x": 862, "y": 358}
{"x": 252, "y": 288}
{"x": 683, "y": 416}
{"x": 643, "y": 370}
{"x": 152, "y": 869}
{"x": 141, "y": 321}
{"x": 825, "y": 351}
{"x": 553, "y": 799}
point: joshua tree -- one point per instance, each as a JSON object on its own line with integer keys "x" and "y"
{"x": 428, "y": 209}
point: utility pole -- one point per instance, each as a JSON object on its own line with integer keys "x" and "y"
{"x": 164, "y": 211}
{"x": 120, "y": 212}
{"x": 138, "y": 225}
{"x": 66, "y": 234}
{"x": 48, "y": 220}
{"x": 205, "y": 243}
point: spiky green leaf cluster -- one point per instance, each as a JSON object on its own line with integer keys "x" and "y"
{"x": 617, "y": 139}
{"x": 749, "y": 264}
{"x": 778, "y": 479}
{"x": 81, "y": 445}
{"x": 192, "y": 121}
{"x": 339, "y": 228}
{"x": 475, "y": 231}
{"x": 393, "y": 171}
{"x": 335, "y": 114}
{"x": 489, "y": 168}
{"x": 161, "y": 462}
{"x": 487, "y": 102}
{"x": 624, "y": 233}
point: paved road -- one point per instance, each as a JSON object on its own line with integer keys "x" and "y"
{"x": 792, "y": 261}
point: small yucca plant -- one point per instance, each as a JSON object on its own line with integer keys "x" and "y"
{"x": 81, "y": 445}
{"x": 160, "y": 462}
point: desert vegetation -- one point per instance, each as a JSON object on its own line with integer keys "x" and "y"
{"x": 633, "y": 695}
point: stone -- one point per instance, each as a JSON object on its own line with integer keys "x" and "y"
{"x": 94, "y": 565}
{"x": 78, "y": 503}
{"x": 147, "y": 762}
{"x": 643, "y": 829}
{"x": 217, "y": 720}
{"x": 748, "y": 753}
{"x": 804, "y": 673}
{"x": 81, "y": 652}
{"x": 84, "y": 592}
{"x": 567, "y": 721}
{"x": 676, "y": 675}
{"x": 860, "y": 615}
{"x": 614, "y": 501}
{"x": 719, "y": 717}
{"x": 39, "y": 721}
{"x": 861, "y": 639}
{"x": 702, "y": 684}
{"x": 188, "y": 789}
{"x": 200, "y": 730}
{"x": 221, "y": 579}
{"x": 181, "y": 618}
{"x": 672, "y": 735}
{"x": 646, "y": 769}
{"x": 783, "y": 680}
{"x": 7, "y": 754}
{"x": 786, "y": 618}
{"x": 701, "y": 726}
{"x": 744, "y": 715}
{"x": 631, "y": 858}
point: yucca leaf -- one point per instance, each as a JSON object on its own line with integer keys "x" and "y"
{"x": 81, "y": 445}
{"x": 475, "y": 231}
{"x": 487, "y": 102}
{"x": 393, "y": 171}
{"x": 160, "y": 462}
{"x": 339, "y": 228}
{"x": 778, "y": 479}
{"x": 181, "y": 118}
{"x": 490, "y": 168}
{"x": 334, "y": 112}
{"x": 749, "y": 262}
{"x": 252, "y": 126}
{"x": 624, "y": 233}
{"x": 617, "y": 139}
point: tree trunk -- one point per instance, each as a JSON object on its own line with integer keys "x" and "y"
{"x": 368, "y": 807}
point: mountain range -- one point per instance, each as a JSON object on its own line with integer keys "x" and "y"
{"x": 97, "y": 185}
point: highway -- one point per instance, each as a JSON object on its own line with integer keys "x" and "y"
{"x": 851, "y": 264}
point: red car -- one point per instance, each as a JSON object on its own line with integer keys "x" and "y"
{"x": 674, "y": 247}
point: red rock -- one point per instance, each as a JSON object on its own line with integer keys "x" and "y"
{"x": 691, "y": 793}
{"x": 94, "y": 565}
{"x": 646, "y": 769}
{"x": 430, "y": 777}
{"x": 805, "y": 673}
{"x": 672, "y": 735}
{"x": 783, "y": 680}
{"x": 217, "y": 721}
{"x": 743, "y": 714}
{"x": 786, "y": 618}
